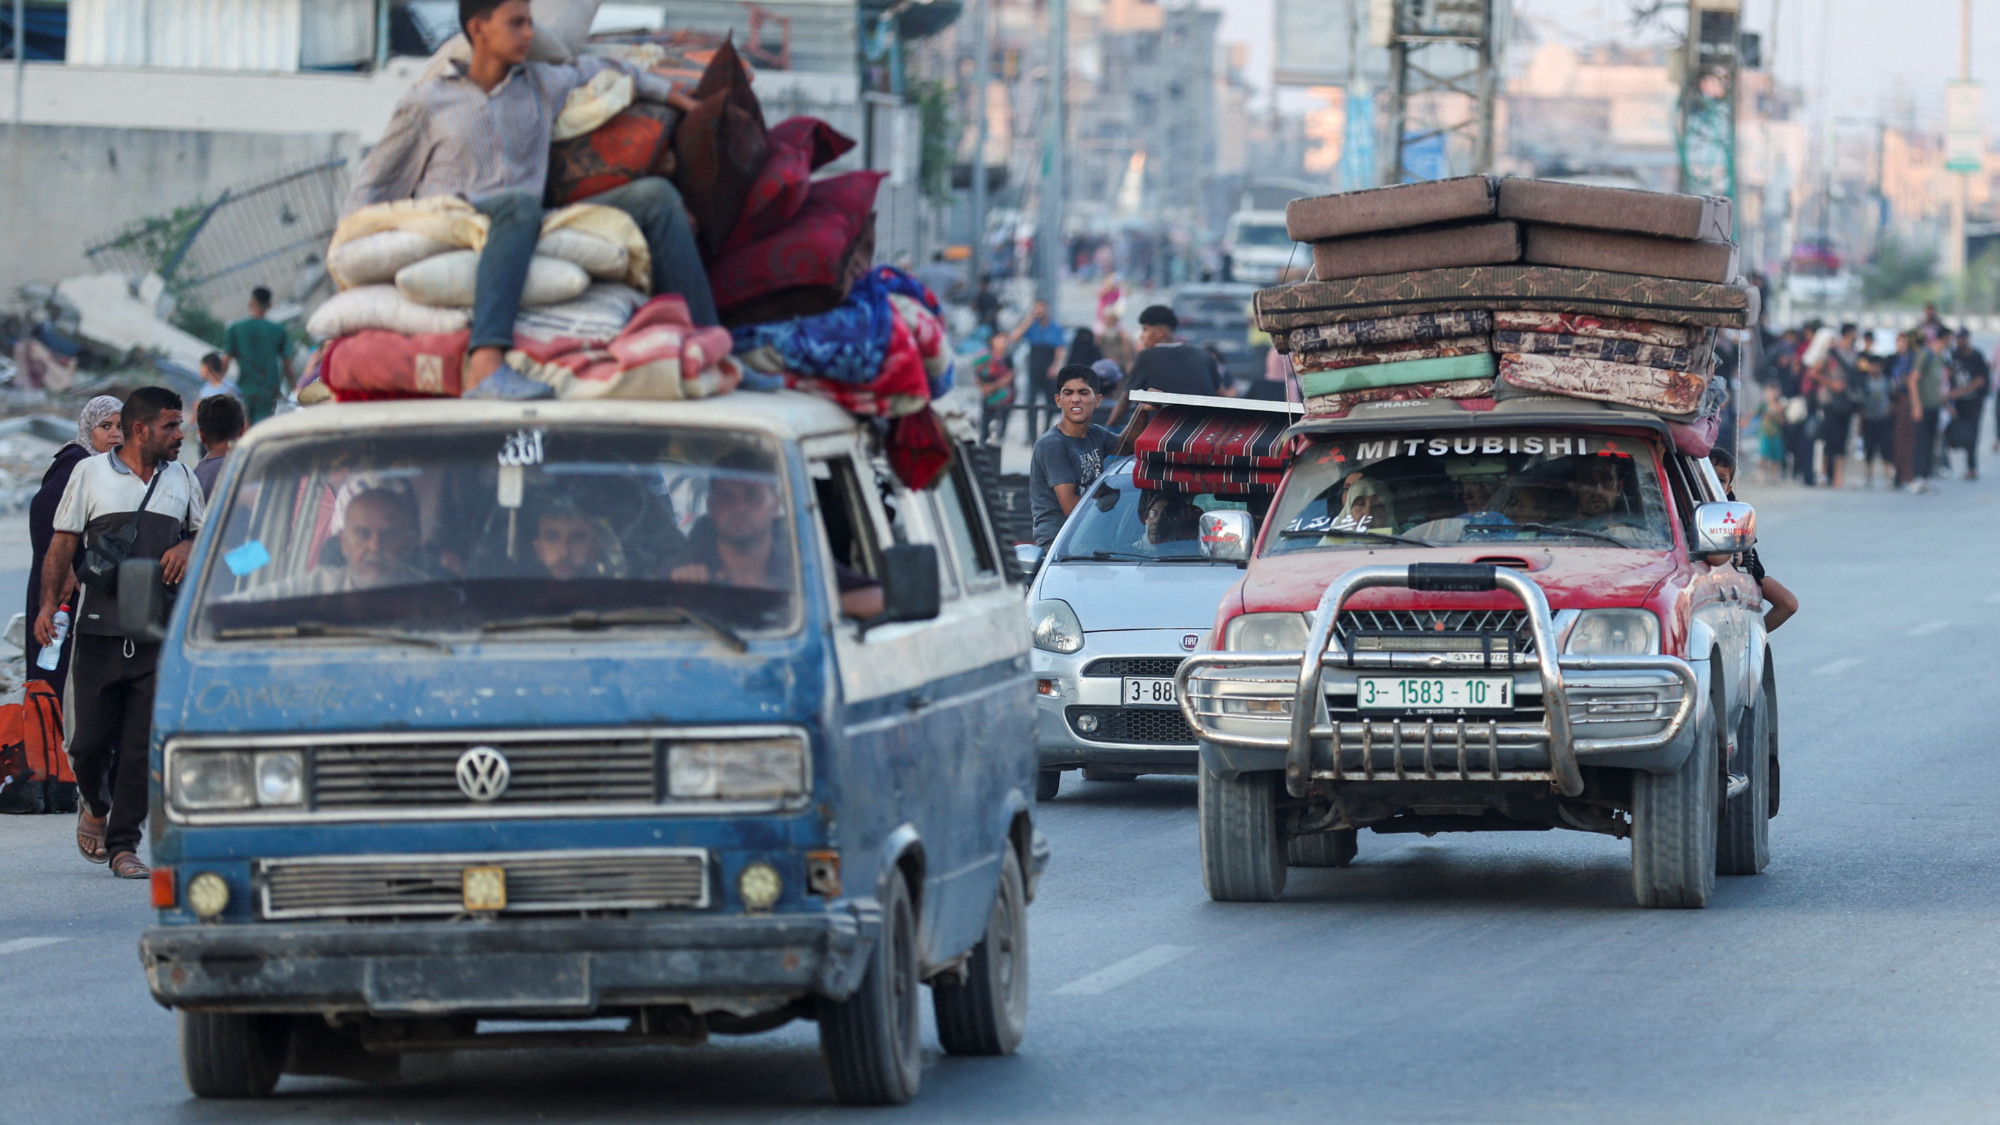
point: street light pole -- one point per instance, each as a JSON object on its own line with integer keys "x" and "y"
{"x": 1049, "y": 234}
{"x": 982, "y": 80}
{"x": 1954, "y": 251}
{"x": 20, "y": 54}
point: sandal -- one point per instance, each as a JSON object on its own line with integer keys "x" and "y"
{"x": 90, "y": 834}
{"x": 128, "y": 865}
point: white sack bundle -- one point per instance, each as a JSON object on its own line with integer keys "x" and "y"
{"x": 373, "y": 259}
{"x": 601, "y": 258}
{"x": 381, "y": 306}
{"x": 449, "y": 280}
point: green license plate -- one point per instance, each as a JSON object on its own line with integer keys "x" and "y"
{"x": 1380, "y": 694}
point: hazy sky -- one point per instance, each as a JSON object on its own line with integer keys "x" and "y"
{"x": 1872, "y": 49}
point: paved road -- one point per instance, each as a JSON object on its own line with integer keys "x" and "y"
{"x": 1481, "y": 978}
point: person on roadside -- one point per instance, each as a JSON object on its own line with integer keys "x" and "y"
{"x": 1083, "y": 348}
{"x": 1903, "y": 427}
{"x": 1782, "y": 602}
{"x": 1046, "y": 348}
{"x": 215, "y": 377}
{"x": 111, "y": 690}
{"x": 1835, "y": 380}
{"x": 1926, "y": 383}
{"x": 1164, "y": 363}
{"x": 986, "y": 307}
{"x": 220, "y": 422}
{"x": 1114, "y": 342}
{"x": 1070, "y": 456}
{"x": 1971, "y": 381}
{"x": 96, "y": 432}
{"x": 480, "y": 131}
{"x": 263, "y": 363}
{"x": 995, "y": 376}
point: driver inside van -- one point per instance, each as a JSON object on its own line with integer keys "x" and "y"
{"x": 570, "y": 543}
{"x": 379, "y": 538}
{"x": 737, "y": 542}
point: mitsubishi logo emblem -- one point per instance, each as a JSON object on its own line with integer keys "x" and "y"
{"x": 483, "y": 773}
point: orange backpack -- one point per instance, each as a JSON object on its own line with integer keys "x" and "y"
{"x": 34, "y": 771}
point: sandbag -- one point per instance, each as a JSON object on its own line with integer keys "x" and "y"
{"x": 449, "y": 281}
{"x": 601, "y": 258}
{"x": 590, "y": 105}
{"x": 377, "y": 364}
{"x": 373, "y": 259}
{"x": 383, "y": 307}
{"x": 611, "y": 225}
{"x": 440, "y": 218}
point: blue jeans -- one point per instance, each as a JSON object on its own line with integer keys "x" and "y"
{"x": 516, "y": 225}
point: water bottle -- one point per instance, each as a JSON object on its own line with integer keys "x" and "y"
{"x": 51, "y": 654}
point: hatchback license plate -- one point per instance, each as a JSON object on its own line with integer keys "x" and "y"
{"x": 1434, "y": 693}
{"x": 1146, "y": 691}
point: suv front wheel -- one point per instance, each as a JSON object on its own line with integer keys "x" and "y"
{"x": 1674, "y": 827}
{"x": 1242, "y": 848}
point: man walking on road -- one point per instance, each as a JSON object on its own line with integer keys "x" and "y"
{"x": 1045, "y": 353}
{"x": 1164, "y": 363}
{"x": 263, "y": 369}
{"x": 139, "y": 485}
{"x": 1926, "y": 386}
{"x": 1070, "y": 456}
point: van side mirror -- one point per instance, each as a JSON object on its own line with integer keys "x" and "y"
{"x": 910, "y": 585}
{"x": 1724, "y": 528}
{"x": 142, "y": 601}
{"x": 1226, "y": 535}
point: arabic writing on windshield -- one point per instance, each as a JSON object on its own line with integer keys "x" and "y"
{"x": 1601, "y": 489}
{"x": 456, "y": 530}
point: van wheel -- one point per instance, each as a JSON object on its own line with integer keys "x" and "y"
{"x": 1743, "y": 845}
{"x": 232, "y": 1054}
{"x": 1047, "y": 784}
{"x": 988, "y": 1013}
{"x": 870, "y": 1040}
{"x": 1674, "y": 828}
{"x": 1242, "y": 851}
{"x": 1323, "y": 849}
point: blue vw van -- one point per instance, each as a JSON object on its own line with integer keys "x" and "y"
{"x": 659, "y": 719}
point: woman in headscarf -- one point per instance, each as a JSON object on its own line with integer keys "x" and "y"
{"x": 96, "y": 432}
{"x": 1367, "y": 506}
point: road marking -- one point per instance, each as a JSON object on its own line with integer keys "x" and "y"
{"x": 1131, "y": 968}
{"x": 1845, "y": 664}
{"x": 23, "y": 944}
{"x": 1927, "y": 628}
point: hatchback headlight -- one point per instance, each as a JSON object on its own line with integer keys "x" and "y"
{"x": 1056, "y": 626}
{"x": 1614, "y": 632}
{"x": 1266, "y": 632}
{"x": 218, "y": 780}
{"x": 768, "y": 769}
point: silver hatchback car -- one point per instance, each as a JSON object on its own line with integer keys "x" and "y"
{"x": 1123, "y": 597}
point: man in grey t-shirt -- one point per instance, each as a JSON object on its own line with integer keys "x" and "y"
{"x": 1070, "y": 456}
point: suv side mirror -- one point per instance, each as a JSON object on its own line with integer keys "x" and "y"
{"x": 1027, "y": 556}
{"x": 1724, "y": 528}
{"x": 1226, "y": 535}
{"x": 142, "y": 601}
{"x": 910, "y": 585}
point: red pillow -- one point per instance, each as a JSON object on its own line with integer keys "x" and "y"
{"x": 811, "y": 251}
{"x": 628, "y": 147}
{"x": 719, "y": 149}
{"x": 378, "y": 364}
{"x": 798, "y": 145}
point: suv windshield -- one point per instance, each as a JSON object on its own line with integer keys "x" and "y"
{"x": 1438, "y": 490}
{"x": 1121, "y": 522}
{"x": 497, "y": 530}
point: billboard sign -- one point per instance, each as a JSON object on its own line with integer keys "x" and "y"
{"x": 1964, "y": 127}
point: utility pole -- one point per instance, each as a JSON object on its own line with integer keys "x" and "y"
{"x": 20, "y": 54}
{"x": 982, "y": 80}
{"x": 1962, "y": 118}
{"x": 1440, "y": 47}
{"x": 1707, "y": 119}
{"x": 1048, "y": 235}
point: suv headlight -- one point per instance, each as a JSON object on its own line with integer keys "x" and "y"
{"x": 1266, "y": 632}
{"x": 1056, "y": 626}
{"x": 207, "y": 781}
{"x": 1614, "y": 632}
{"x": 749, "y": 770}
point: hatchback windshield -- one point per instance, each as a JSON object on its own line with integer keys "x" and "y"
{"x": 496, "y": 530}
{"x": 1443, "y": 489}
{"x": 1121, "y": 522}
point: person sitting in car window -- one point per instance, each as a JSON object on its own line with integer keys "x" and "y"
{"x": 379, "y": 538}
{"x": 1168, "y": 518}
{"x": 570, "y": 543}
{"x": 1367, "y": 506}
{"x": 1598, "y": 484}
{"x": 737, "y": 543}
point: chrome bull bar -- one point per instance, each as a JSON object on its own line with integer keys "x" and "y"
{"x": 1451, "y": 749}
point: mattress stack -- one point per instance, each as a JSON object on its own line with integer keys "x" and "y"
{"x": 1480, "y": 288}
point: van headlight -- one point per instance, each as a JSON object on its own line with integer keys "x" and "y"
{"x": 1056, "y": 627}
{"x": 747, "y": 770}
{"x": 214, "y": 780}
{"x": 1266, "y": 632}
{"x": 1614, "y": 632}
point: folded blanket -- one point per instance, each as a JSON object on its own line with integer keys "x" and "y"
{"x": 1364, "y": 355}
{"x": 1673, "y": 393}
{"x": 1539, "y": 288}
{"x": 1443, "y": 370}
{"x": 1386, "y": 330}
{"x": 1607, "y": 327}
{"x": 1597, "y": 347}
{"x": 1192, "y": 437}
{"x": 1342, "y": 403}
{"x": 847, "y": 344}
{"x": 1223, "y": 480}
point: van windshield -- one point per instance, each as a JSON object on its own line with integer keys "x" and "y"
{"x": 1586, "y": 489}
{"x": 470, "y": 530}
{"x": 1124, "y": 523}
{"x": 1262, "y": 236}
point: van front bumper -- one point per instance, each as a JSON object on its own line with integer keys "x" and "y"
{"x": 570, "y": 966}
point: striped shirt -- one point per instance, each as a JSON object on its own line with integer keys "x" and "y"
{"x": 449, "y": 137}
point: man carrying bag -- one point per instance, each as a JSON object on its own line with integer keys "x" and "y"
{"x": 136, "y": 502}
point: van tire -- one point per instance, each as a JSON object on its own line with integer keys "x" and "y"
{"x": 1674, "y": 827}
{"x": 1743, "y": 843}
{"x": 1047, "y": 784}
{"x": 987, "y": 1013}
{"x": 1242, "y": 850}
{"x": 1323, "y": 849}
{"x": 871, "y": 1040}
{"x": 232, "y": 1054}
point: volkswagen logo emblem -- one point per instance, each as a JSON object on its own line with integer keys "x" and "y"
{"x": 1189, "y": 640}
{"x": 483, "y": 773}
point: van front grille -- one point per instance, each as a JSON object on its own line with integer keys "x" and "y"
{"x": 536, "y": 882}
{"x": 404, "y": 775}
